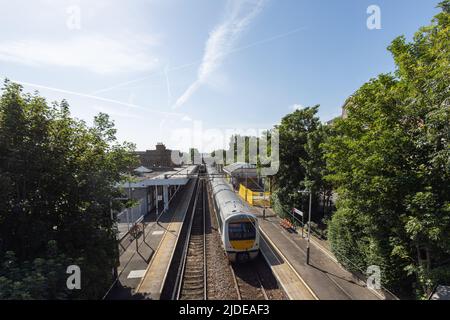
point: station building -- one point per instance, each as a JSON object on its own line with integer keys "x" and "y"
{"x": 245, "y": 179}
{"x": 153, "y": 191}
{"x": 157, "y": 159}
{"x": 241, "y": 173}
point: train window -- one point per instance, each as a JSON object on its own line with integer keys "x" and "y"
{"x": 241, "y": 231}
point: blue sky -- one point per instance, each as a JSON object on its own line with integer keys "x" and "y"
{"x": 189, "y": 72}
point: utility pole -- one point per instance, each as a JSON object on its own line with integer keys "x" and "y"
{"x": 303, "y": 226}
{"x": 129, "y": 208}
{"x": 264, "y": 196}
{"x": 309, "y": 228}
{"x": 114, "y": 269}
{"x": 309, "y": 224}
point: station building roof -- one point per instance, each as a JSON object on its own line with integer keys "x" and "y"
{"x": 174, "y": 177}
{"x": 142, "y": 170}
{"x": 241, "y": 169}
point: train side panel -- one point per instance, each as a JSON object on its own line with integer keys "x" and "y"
{"x": 239, "y": 228}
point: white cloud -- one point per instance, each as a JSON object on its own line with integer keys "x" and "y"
{"x": 222, "y": 40}
{"x": 95, "y": 53}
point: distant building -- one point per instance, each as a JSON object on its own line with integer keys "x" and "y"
{"x": 161, "y": 157}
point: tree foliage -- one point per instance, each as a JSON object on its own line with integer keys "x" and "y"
{"x": 58, "y": 178}
{"x": 390, "y": 160}
{"x": 302, "y": 162}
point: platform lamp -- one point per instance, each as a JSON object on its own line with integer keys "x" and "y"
{"x": 308, "y": 191}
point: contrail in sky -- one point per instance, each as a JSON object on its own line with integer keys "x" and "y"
{"x": 221, "y": 40}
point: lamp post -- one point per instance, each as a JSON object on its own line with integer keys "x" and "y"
{"x": 309, "y": 228}
{"x": 309, "y": 224}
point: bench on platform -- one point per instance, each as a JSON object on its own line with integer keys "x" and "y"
{"x": 286, "y": 224}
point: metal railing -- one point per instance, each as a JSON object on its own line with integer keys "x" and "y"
{"x": 131, "y": 216}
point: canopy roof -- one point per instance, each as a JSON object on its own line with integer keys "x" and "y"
{"x": 175, "y": 177}
{"x": 239, "y": 168}
{"x": 143, "y": 169}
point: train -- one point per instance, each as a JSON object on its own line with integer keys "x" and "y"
{"x": 238, "y": 226}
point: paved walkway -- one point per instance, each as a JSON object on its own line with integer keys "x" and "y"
{"x": 152, "y": 282}
{"x": 291, "y": 283}
{"x": 134, "y": 259}
{"x": 326, "y": 278}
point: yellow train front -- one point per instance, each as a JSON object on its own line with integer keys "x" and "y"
{"x": 239, "y": 228}
{"x": 240, "y": 237}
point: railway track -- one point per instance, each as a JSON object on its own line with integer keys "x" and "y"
{"x": 202, "y": 251}
{"x": 193, "y": 284}
{"x": 248, "y": 283}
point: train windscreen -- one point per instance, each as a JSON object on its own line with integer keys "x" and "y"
{"x": 241, "y": 231}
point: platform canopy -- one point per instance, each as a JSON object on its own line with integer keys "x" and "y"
{"x": 142, "y": 170}
{"x": 241, "y": 169}
{"x": 175, "y": 177}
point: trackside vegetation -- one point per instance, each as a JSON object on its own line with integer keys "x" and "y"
{"x": 390, "y": 164}
{"x": 385, "y": 165}
{"x": 58, "y": 179}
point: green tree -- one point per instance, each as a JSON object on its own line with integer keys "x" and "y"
{"x": 390, "y": 161}
{"x": 316, "y": 169}
{"x": 300, "y": 135}
{"x": 58, "y": 178}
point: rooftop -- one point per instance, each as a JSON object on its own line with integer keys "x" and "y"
{"x": 142, "y": 170}
{"x": 239, "y": 167}
{"x": 176, "y": 176}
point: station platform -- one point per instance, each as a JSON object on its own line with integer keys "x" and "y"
{"x": 152, "y": 282}
{"x": 324, "y": 278}
{"x": 286, "y": 276}
{"x": 135, "y": 256}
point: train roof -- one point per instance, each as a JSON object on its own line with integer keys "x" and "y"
{"x": 227, "y": 200}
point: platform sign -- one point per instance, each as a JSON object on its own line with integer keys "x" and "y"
{"x": 300, "y": 213}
